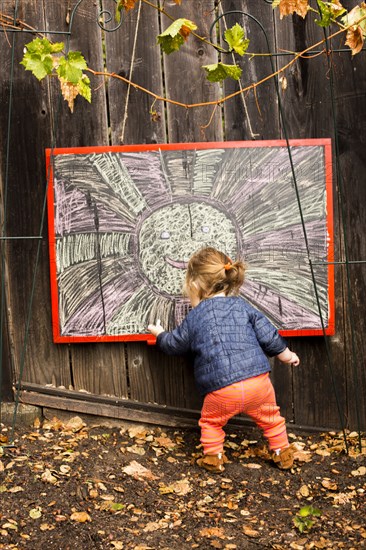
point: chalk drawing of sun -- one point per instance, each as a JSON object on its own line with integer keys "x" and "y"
{"x": 125, "y": 222}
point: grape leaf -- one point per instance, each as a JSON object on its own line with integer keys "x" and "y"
{"x": 235, "y": 37}
{"x": 38, "y": 56}
{"x": 40, "y": 66}
{"x": 43, "y": 46}
{"x": 287, "y": 7}
{"x": 219, "y": 71}
{"x": 329, "y": 12}
{"x": 84, "y": 89}
{"x": 70, "y": 68}
{"x": 174, "y": 36}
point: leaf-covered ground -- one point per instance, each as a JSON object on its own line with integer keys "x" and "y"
{"x": 67, "y": 486}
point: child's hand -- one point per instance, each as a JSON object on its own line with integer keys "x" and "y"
{"x": 294, "y": 361}
{"x": 289, "y": 358}
{"x": 155, "y": 329}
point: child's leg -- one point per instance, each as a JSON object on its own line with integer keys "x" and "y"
{"x": 218, "y": 407}
{"x": 261, "y": 406}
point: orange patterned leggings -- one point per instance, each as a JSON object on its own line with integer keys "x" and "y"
{"x": 254, "y": 397}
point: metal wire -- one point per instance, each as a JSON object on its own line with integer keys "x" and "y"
{"x": 352, "y": 322}
{"x": 306, "y": 241}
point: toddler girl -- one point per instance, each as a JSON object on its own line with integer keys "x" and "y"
{"x": 230, "y": 340}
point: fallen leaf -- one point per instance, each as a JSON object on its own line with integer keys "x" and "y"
{"x": 35, "y": 513}
{"x": 304, "y": 491}
{"x": 136, "y": 470}
{"x": 250, "y": 532}
{"x": 322, "y": 452}
{"x": 75, "y": 424}
{"x": 155, "y": 526}
{"x": 361, "y": 471}
{"x": 165, "y": 442}
{"x": 209, "y": 532}
{"x": 48, "y": 477}
{"x": 328, "y": 484}
{"x": 15, "y": 490}
{"x": 136, "y": 449}
{"x": 80, "y": 517}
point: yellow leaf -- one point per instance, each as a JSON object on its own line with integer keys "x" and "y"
{"x": 35, "y": 513}
{"x": 80, "y": 517}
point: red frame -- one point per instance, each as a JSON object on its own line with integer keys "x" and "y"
{"x": 325, "y": 142}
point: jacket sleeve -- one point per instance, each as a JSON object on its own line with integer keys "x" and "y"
{"x": 267, "y": 335}
{"x": 176, "y": 342}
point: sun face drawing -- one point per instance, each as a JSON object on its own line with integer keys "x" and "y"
{"x": 171, "y": 234}
{"x": 124, "y": 222}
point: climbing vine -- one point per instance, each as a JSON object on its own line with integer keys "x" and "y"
{"x": 44, "y": 58}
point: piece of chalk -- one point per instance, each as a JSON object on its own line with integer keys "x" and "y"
{"x": 158, "y": 322}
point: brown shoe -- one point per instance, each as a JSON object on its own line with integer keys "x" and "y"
{"x": 285, "y": 459}
{"x": 213, "y": 463}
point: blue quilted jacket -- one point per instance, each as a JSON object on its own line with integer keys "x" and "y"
{"x": 229, "y": 339}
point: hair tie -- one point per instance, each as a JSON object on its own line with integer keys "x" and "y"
{"x": 228, "y": 266}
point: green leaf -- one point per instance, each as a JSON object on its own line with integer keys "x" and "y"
{"x": 299, "y": 524}
{"x": 235, "y": 37}
{"x": 84, "y": 89}
{"x": 174, "y": 36}
{"x": 70, "y": 68}
{"x": 39, "y": 65}
{"x": 309, "y": 511}
{"x": 117, "y": 506}
{"x": 219, "y": 71}
{"x": 38, "y": 56}
{"x": 44, "y": 46}
{"x": 329, "y": 12}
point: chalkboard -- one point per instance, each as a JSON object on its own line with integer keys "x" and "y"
{"x": 123, "y": 221}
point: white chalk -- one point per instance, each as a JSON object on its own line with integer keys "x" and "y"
{"x": 158, "y": 323}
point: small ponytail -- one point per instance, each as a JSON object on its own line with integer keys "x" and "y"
{"x": 215, "y": 272}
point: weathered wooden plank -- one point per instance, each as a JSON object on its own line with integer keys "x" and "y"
{"x": 28, "y": 309}
{"x": 95, "y": 368}
{"x": 105, "y": 410}
{"x": 252, "y": 114}
{"x": 186, "y": 81}
{"x": 155, "y": 377}
{"x": 306, "y": 113}
{"x": 132, "y": 52}
{"x": 349, "y": 77}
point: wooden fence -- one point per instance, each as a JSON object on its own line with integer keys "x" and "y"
{"x": 321, "y": 96}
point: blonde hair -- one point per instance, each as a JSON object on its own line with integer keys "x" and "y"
{"x": 212, "y": 271}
